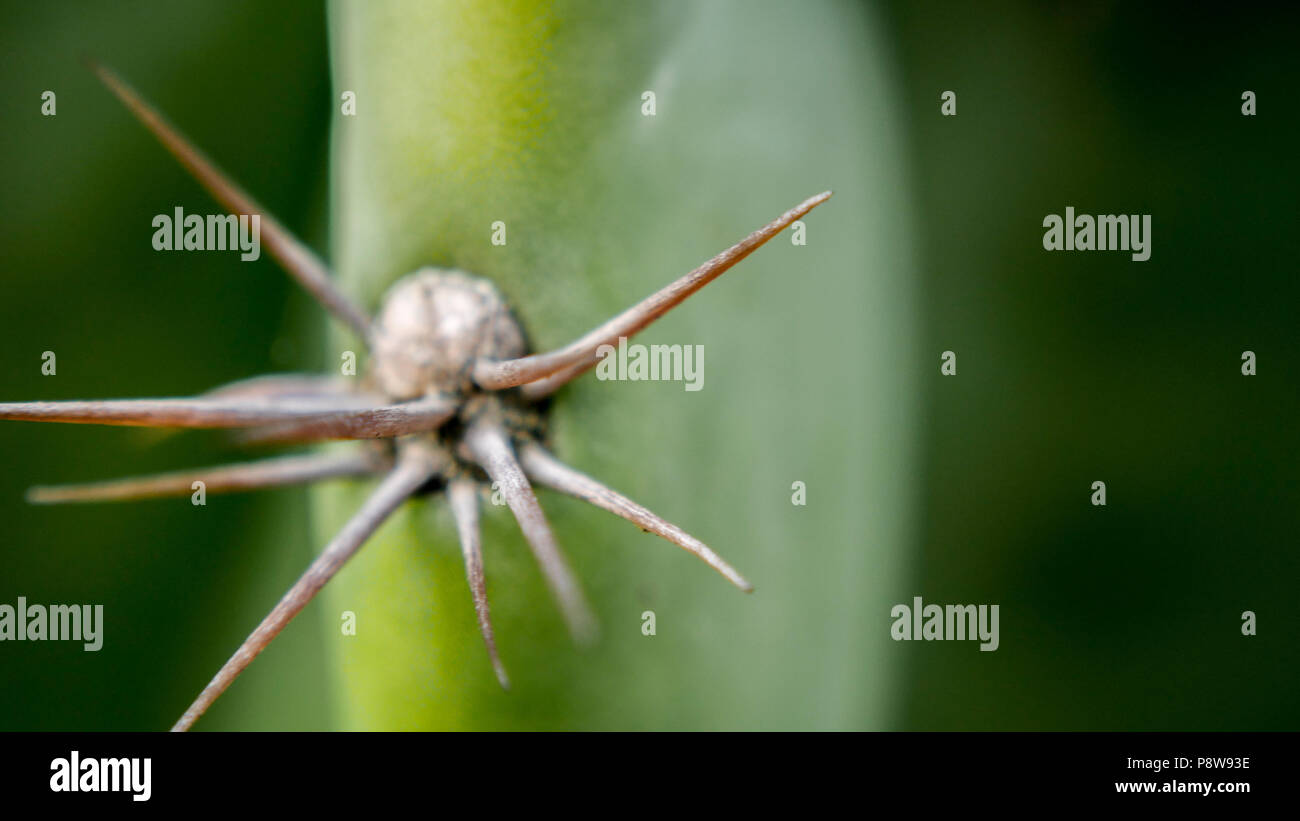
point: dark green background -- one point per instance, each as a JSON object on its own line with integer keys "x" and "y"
{"x": 1071, "y": 367}
{"x": 1076, "y": 367}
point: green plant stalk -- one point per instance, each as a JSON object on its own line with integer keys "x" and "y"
{"x": 530, "y": 113}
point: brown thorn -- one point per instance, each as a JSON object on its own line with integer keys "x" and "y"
{"x": 188, "y": 413}
{"x": 415, "y": 466}
{"x": 297, "y": 259}
{"x": 284, "y": 470}
{"x": 463, "y": 497}
{"x": 416, "y": 416}
{"x": 580, "y": 354}
{"x": 544, "y": 468}
{"x": 489, "y": 446}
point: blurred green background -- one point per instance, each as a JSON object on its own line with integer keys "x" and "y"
{"x": 1072, "y": 368}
